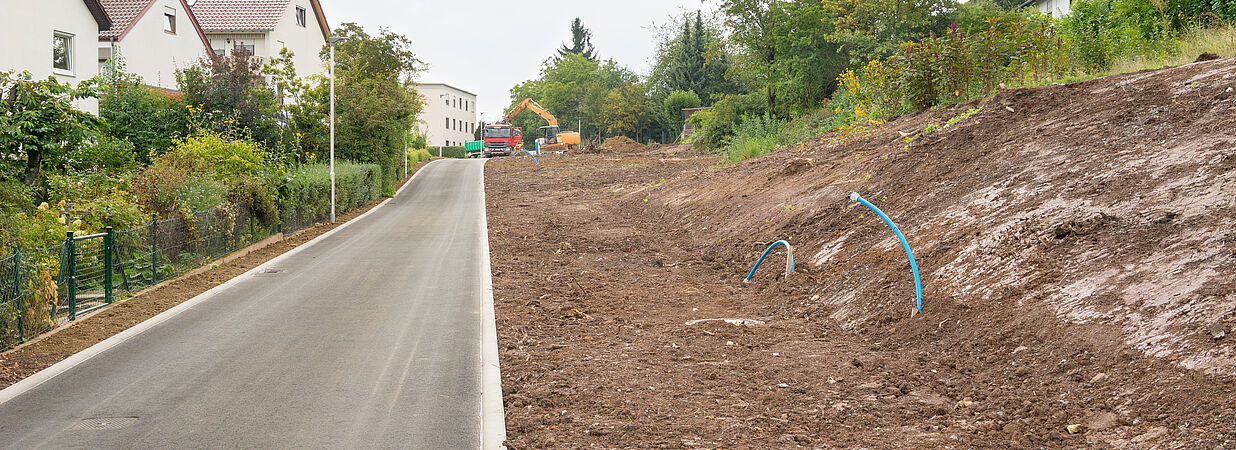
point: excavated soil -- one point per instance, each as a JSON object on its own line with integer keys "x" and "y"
{"x": 622, "y": 144}
{"x": 1077, "y": 257}
{"x": 46, "y": 350}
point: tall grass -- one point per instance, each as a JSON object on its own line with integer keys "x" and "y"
{"x": 1220, "y": 41}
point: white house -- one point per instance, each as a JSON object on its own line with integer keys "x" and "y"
{"x": 264, "y": 27}
{"x": 53, "y": 37}
{"x": 155, "y": 38}
{"x": 1054, "y": 8}
{"x": 449, "y": 117}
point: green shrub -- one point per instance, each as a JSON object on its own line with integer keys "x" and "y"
{"x": 306, "y": 193}
{"x": 755, "y": 136}
{"x": 675, "y": 102}
{"x": 714, "y": 127}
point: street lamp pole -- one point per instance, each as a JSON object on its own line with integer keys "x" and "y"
{"x": 333, "y": 40}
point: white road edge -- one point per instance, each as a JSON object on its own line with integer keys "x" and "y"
{"x": 493, "y": 421}
{"x": 493, "y": 417}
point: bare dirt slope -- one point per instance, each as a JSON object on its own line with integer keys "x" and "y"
{"x": 1076, "y": 250}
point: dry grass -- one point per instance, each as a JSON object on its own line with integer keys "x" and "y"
{"x": 1220, "y": 41}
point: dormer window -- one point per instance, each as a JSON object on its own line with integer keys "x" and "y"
{"x": 169, "y": 21}
{"x": 300, "y": 16}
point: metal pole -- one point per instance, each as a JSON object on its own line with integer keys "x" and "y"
{"x": 332, "y": 132}
{"x": 71, "y": 251}
{"x": 21, "y": 308}
{"x": 109, "y": 241}
{"x": 154, "y": 249}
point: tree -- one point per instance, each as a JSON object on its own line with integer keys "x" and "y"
{"x": 304, "y": 132}
{"x": 231, "y": 92}
{"x": 581, "y": 42}
{"x": 38, "y": 124}
{"x": 148, "y": 119}
{"x": 678, "y": 101}
{"x": 575, "y": 90}
{"x": 692, "y": 59}
{"x": 375, "y": 99}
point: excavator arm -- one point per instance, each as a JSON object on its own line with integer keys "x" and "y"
{"x": 530, "y": 104}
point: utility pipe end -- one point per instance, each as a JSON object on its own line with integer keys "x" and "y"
{"x": 854, "y": 196}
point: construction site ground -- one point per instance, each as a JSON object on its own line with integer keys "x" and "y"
{"x": 1078, "y": 259}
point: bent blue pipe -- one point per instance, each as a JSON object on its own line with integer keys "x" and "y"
{"x": 790, "y": 255}
{"x": 918, "y": 286}
{"x": 538, "y": 163}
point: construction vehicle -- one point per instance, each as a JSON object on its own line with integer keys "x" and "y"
{"x": 554, "y": 138}
{"x": 501, "y": 139}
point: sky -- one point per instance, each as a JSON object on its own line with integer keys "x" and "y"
{"x": 486, "y": 47}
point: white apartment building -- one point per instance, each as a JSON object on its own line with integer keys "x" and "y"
{"x": 449, "y": 118}
{"x": 53, "y": 37}
{"x": 264, "y": 27}
{"x": 154, "y": 38}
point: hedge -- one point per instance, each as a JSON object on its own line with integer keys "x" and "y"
{"x": 306, "y": 195}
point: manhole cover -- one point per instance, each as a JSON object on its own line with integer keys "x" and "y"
{"x": 104, "y": 423}
{"x": 270, "y": 271}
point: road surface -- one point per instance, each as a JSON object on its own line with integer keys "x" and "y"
{"x": 367, "y": 338}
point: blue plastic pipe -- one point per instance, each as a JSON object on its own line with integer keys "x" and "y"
{"x": 918, "y": 286}
{"x": 538, "y": 163}
{"x": 774, "y": 245}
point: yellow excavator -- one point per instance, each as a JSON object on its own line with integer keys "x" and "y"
{"x": 555, "y": 139}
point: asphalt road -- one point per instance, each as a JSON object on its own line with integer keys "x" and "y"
{"x": 367, "y": 338}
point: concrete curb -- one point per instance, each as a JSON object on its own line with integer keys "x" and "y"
{"x": 76, "y": 359}
{"x": 493, "y": 418}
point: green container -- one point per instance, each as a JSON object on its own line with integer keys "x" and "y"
{"x": 474, "y": 146}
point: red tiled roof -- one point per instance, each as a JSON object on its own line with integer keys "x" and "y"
{"x": 122, "y": 13}
{"x": 239, "y": 15}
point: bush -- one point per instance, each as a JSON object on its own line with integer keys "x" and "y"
{"x": 306, "y": 193}
{"x": 203, "y": 171}
{"x": 675, "y": 102}
{"x": 756, "y": 136}
{"x": 448, "y": 152}
{"x": 714, "y": 127}
{"x": 418, "y": 154}
{"x": 1099, "y": 32}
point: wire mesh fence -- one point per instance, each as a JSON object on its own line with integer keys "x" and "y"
{"x": 41, "y": 289}
{"x": 30, "y": 283}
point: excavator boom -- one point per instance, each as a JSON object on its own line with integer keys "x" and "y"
{"x": 530, "y": 104}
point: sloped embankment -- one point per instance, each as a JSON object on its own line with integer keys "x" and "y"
{"x": 1110, "y": 202}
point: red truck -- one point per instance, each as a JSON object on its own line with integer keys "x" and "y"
{"x": 501, "y": 139}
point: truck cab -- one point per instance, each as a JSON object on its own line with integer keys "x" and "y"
{"x": 501, "y": 139}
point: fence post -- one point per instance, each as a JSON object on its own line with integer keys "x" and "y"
{"x": 154, "y": 249}
{"x": 21, "y": 308}
{"x": 71, "y": 253}
{"x": 109, "y": 243}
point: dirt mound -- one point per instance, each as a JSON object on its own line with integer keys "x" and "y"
{"x": 1108, "y": 201}
{"x": 622, "y": 144}
{"x": 1077, "y": 246}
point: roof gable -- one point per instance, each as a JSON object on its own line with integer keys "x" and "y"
{"x": 249, "y": 15}
{"x": 100, "y": 16}
{"x": 126, "y": 13}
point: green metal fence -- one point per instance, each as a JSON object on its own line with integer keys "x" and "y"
{"x": 42, "y": 289}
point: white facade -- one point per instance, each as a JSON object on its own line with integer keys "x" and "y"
{"x": 1054, "y": 8}
{"x": 152, "y": 51}
{"x": 30, "y": 31}
{"x": 449, "y": 117}
{"x": 297, "y": 28}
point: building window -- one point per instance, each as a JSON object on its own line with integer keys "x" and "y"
{"x": 220, "y": 52}
{"x": 169, "y": 20}
{"x": 448, "y": 123}
{"x": 300, "y": 16}
{"x": 62, "y": 51}
{"x": 242, "y": 47}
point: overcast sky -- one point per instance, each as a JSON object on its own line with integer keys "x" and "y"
{"x": 485, "y": 47}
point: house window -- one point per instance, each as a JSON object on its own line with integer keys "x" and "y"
{"x": 220, "y": 52}
{"x": 448, "y": 123}
{"x": 300, "y": 16}
{"x": 169, "y": 20}
{"x": 242, "y": 47}
{"x": 62, "y": 51}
